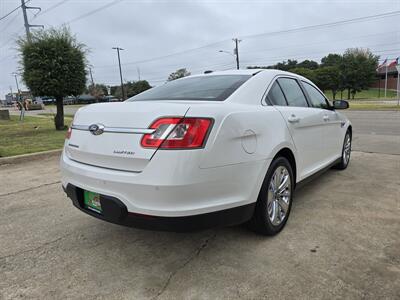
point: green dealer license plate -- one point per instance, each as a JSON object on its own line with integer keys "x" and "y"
{"x": 92, "y": 201}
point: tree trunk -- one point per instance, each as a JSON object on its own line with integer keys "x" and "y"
{"x": 59, "y": 118}
{"x": 348, "y": 94}
{"x": 334, "y": 94}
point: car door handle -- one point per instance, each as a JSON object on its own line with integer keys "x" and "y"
{"x": 293, "y": 119}
{"x": 326, "y": 118}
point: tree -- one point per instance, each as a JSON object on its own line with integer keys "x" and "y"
{"x": 98, "y": 91}
{"x": 53, "y": 64}
{"x": 137, "y": 87}
{"x": 178, "y": 74}
{"x": 328, "y": 78}
{"x": 307, "y": 73}
{"x": 308, "y": 64}
{"x": 358, "y": 70}
{"x": 331, "y": 60}
{"x": 131, "y": 88}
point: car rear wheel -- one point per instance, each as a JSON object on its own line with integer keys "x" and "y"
{"x": 275, "y": 199}
{"x": 346, "y": 152}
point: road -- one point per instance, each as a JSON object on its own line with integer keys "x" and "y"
{"x": 341, "y": 241}
{"x": 376, "y": 131}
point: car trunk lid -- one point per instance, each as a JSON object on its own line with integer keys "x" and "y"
{"x": 120, "y": 128}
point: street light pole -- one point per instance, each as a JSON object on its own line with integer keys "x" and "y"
{"x": 120, "y": 71}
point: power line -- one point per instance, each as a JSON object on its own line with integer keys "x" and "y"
{"x": 331, "y": 24}
{"x": 319, "y": 43}
{"x": 275, "y": 48}
{"x": 10, "y": 21}
{"x": 15, "y": 9}
{"x": 94, "y": 11}
{"x": 52, "y": 7}
{"x": 310, "y": 27}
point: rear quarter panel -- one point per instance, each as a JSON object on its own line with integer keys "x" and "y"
{"x": 242, "y": 133}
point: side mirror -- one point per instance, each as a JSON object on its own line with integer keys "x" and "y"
{"x": 340, "y": 104}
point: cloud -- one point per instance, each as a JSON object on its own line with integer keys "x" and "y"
{"x": 151, "y": 29}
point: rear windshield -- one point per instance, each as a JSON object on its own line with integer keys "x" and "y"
{"x": 202, "y": 88}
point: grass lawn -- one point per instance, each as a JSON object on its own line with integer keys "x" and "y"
{"x": 53, "y": 115}
{"x": 35, "y": 134}
{"x": 65, "y": 105}
{"x": 371, "y": 94}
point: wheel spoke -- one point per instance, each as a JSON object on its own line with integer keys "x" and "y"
{"x": 272, "y": 183}
{"x": 276, "y": 213}
{"x": 284, "y": 206}
{"x": 283, "y": 184}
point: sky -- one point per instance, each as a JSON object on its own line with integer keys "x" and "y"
{"x": 160, "y": 36}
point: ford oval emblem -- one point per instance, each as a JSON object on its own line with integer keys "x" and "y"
{"x": 96, "y": 129}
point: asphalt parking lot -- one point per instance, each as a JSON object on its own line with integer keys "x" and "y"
{"x": 342, "y": 239}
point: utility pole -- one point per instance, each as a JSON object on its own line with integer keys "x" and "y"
{"x": 26, "y": 22}
{"x": 12, "y": 97}
{"x": 120, "y": 71}
{"x": 236, "y": 51}
{"x": 16, "y": 80}
{"x": 16, "y": 83}
{"x": 91, "y": 76}
{"x": 138, "y": 72}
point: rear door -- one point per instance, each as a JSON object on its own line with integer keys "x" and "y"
{"x": 331, "y": 139}
{"x": 304, "y": 124}
{"x": 124, "y": 124}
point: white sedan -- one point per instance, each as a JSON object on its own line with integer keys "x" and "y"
{"x": 214, "y": 149}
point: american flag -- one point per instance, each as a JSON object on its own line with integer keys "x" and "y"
{"x": 394, "y": 63}
{"x": 382, "y": 64}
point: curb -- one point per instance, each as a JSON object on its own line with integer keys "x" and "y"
{"x": 29, "y": 157}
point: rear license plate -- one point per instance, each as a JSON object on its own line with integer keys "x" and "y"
{"x": 92, "y": 201}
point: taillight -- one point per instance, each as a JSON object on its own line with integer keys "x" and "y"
{"x": 178, "y": 133}
{"x": 68, "y": 134}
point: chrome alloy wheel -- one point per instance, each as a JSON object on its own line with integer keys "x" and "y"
{"x": 279, "y": 195}
{"x": 347, "y": 149}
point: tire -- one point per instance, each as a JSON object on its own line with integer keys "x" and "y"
{"x": 346, "y": 152}
{"x": 267, "y": 218}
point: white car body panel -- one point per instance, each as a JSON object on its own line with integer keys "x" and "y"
{"x": 228, "y": 172}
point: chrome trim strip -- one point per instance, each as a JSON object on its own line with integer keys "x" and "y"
{"x": 129, "y": 130}
{"x": 95, "y": 166}
{"x": 80, "y": 127}
{"x": 117, "y": 129}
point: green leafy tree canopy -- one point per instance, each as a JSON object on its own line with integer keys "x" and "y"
{"x": 178, "y": 74}
{"x": 131, "y": 88}
{"x": 358, "y": 70}
{"x": 53, "y": 64}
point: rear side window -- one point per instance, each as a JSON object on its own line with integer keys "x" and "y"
{"x": 202, "y": 88}
{"x": 294, "y": 94}
{"x": 275, "y": 95}
{"x": 317, "y": 99}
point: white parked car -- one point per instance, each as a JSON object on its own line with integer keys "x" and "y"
{"x": 207, "y": 150}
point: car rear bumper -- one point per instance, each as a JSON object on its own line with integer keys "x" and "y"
{"x": 115, "y": 211}
{"x": 177, "y": 189}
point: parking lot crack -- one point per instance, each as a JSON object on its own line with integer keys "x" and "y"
{"x": 193, "y": 256}
{"x": 30, "y": 189}
{"x": 46, "y": 244}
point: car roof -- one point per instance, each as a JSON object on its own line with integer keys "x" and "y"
{"x": 267, "y": 72}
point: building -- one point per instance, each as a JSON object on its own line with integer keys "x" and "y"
{"x": 11, "y": 98}
{"x": 391, "y": 81}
